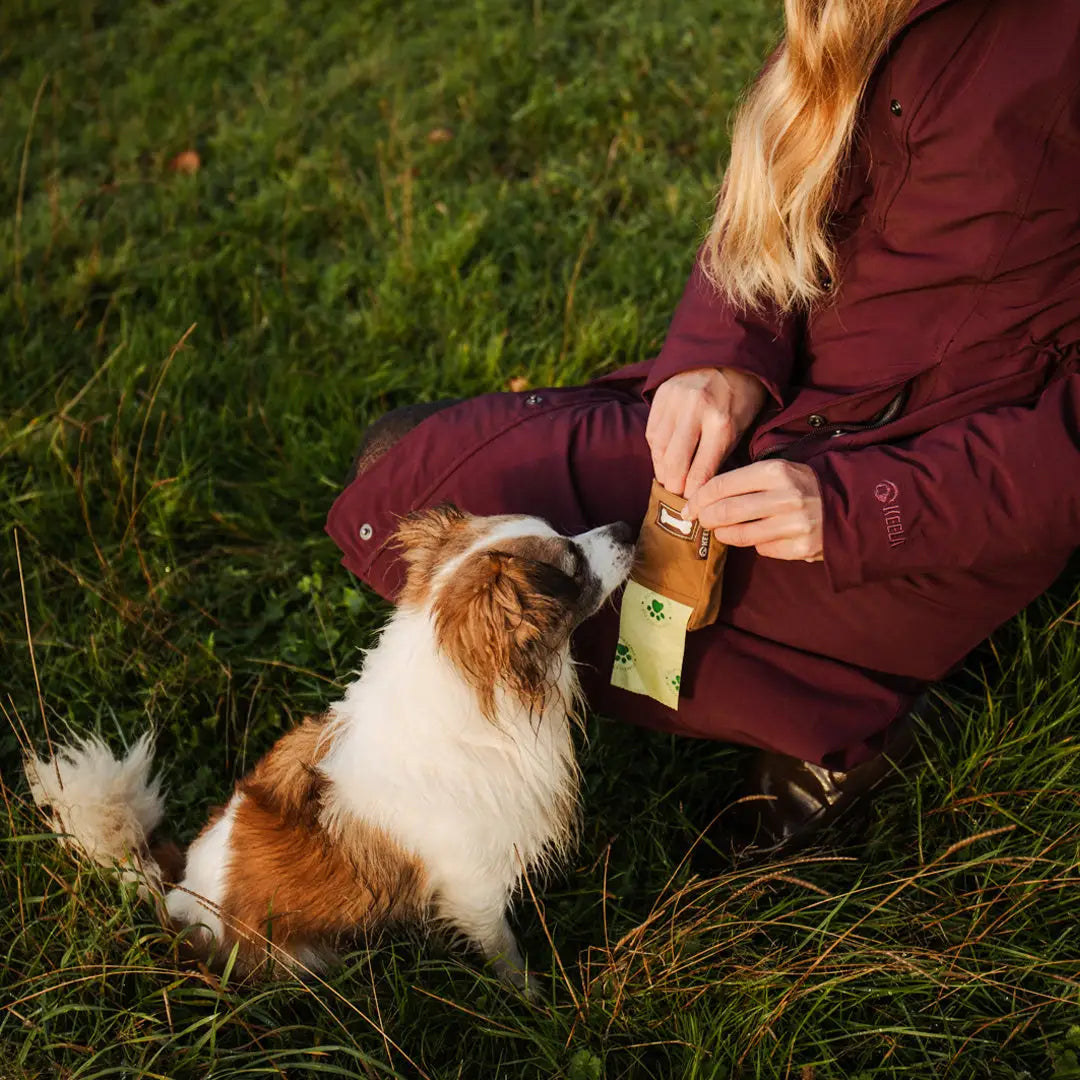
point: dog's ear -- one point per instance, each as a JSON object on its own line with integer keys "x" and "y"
{"x": 503, "y": 621}
{"x": 425, "y": 538}
{"x": 425, "y": 529}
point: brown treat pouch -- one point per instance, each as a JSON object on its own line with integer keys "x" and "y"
{"x": 675, "y": 587}
{"x": 679, "y": 559}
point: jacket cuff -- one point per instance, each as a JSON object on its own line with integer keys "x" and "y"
{"x": 739, "y": 352}
{"x": 707, "y": 332}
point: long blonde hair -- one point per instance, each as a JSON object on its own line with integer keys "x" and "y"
{"x": 769, "y": 238}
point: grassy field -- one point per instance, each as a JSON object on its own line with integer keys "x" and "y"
{"x": 234, "y": 233}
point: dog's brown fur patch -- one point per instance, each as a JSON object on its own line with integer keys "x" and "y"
{"x": 428, "y": 538}
{"x": 293, "y": 882}
{"x": 286, "y": 779}
{"x": 169, "y": 859}
{"x": 504, "y": 614}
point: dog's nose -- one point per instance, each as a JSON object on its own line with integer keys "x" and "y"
{"x": 623, "y": 533}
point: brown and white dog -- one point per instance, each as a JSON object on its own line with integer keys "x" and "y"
{"x": 446, "y": 770}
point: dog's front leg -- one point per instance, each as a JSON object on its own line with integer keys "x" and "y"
{"x": 481, "y": 917}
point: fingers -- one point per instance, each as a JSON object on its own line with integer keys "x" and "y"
{"x": 675, "y": 460}
{"x": 659, "y": 430}
{"x": 793, "y": 550}
{"x": 791, "y": 532}
{"x": 659, "y": 426}
{"x": 691, "y": 428}
{"x": 687, "y": 456}
{"x": 717, "y": 436}
{"x": 740, "y": 509}
{"x": 773, "y": 506}
{"x": 760, "y": 476}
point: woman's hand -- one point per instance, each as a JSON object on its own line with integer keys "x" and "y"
{"x": 695, "y": 421}
{"x": 774, "y": 506}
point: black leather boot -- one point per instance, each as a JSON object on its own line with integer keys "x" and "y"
{"x": 786, "y": 802}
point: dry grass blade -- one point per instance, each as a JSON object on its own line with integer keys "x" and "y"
{"x": 33, "y": 660}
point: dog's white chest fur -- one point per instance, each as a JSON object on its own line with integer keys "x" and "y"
{"x": 413, "y": 754}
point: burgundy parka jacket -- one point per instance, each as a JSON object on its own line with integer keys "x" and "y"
{"x": 936, "y": 396}
{"x": 958, "y": 226}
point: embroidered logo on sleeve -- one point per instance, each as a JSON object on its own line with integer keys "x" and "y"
{"x": 888, "y": 494}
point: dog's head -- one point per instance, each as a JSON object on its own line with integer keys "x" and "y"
{"x": 505, "y": 593}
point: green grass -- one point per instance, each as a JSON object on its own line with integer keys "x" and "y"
{"x": 400, "y": 201}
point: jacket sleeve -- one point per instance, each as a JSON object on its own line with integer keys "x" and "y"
{"x": 706, "y": 331}
{"x": 988, "y": 490}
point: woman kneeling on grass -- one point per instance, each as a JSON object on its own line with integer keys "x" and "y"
{"x": 877, "y": 345}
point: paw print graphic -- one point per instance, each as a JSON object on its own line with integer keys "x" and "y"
{"x": 624, "y": 655}
{"x": 655, "y": 610}
{"x": 675, "y": 682}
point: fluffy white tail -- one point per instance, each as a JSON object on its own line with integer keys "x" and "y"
{"x": 104, "y": 807}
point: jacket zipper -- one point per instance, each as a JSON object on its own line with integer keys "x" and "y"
{"x": 885, "y": 416}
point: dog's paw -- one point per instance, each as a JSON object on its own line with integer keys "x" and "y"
{"x": 527, "y": 983}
